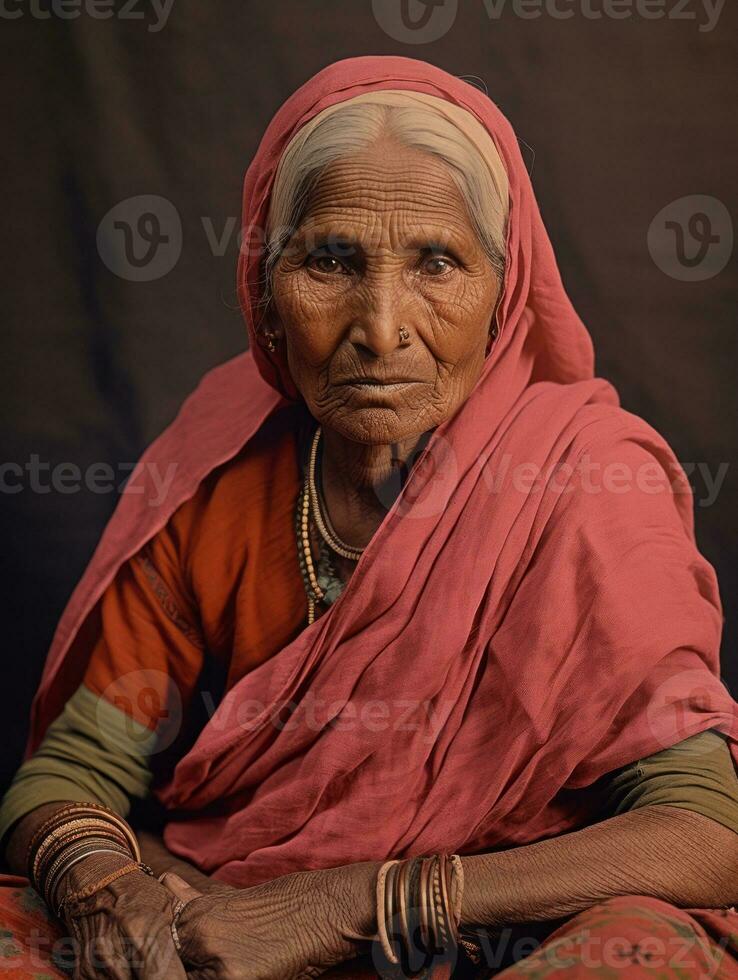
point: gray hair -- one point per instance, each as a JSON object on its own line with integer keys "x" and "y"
{"x": 414, "y": 120}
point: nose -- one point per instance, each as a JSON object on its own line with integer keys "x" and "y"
{"x": 383, "y": 310}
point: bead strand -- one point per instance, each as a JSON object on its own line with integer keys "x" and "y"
{"x": 320, "y": 516}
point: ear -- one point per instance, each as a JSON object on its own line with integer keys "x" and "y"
{"x": 492, "y": 336}
{"x": 269, "y": 331}
{"x": 494, "y": 326}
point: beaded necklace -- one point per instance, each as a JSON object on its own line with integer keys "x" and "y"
{"x": 320, "y": 514}
{"x": 322, "y": 584}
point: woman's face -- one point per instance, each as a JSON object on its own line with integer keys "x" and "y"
{"x": 384, "y": 297}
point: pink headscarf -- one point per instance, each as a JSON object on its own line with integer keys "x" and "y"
{"x": 531, "y": 614}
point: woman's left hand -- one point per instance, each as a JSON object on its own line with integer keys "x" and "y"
{"x": 294, "y": 926}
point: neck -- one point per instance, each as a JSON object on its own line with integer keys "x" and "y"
{"x": 361, "y": 482}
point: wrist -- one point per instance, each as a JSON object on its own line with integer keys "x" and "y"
{"x": 90, "y": 870}
{"x": 483, "y": 890}
{"x": 358, "y": 898}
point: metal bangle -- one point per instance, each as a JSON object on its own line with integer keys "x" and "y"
{"x": 419, "y": 907}
{"x": 80, "y": 896}
{"x": 54, "y": 842}
{"x": 384, "y": 911}
{"x": 178, "y": 910}
{"x": 70, "y": 813}
{"x": 81, "y": 843}
{"x": 54, "y": 888}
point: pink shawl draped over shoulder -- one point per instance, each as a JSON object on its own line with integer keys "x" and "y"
{"x": 531, "y": 614}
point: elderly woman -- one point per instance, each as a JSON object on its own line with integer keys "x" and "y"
{"x": 418, "y": 655}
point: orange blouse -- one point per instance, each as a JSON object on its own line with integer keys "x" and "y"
{"x": 219, "y": 586}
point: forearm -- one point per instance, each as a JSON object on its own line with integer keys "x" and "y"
{"x": 22, "y": 834}
{"x": 155, "y": 853}
{"x": 662, "y": 851}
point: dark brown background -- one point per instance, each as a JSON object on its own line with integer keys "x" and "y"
{"x": 624, "y": 117}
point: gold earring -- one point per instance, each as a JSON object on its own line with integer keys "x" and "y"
{"x": 404, "y": 335}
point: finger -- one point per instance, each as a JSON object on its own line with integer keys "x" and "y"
{"x": 102, "y": 949}
{"x": 110, "y": 957}
{"x": 83, "y": 969}
{"x": 85, "y": 965}
{"x": 96, "y": 958}
{"x": 161, "y": 961}
{"x": 179, "y": 887}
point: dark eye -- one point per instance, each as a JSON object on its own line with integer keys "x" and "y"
{"x": 326, "y": 263}
{"x": 437, "y": 265}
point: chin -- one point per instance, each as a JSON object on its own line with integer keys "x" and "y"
{"x": 377, "y": 426}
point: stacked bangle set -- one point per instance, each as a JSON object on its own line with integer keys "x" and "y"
{"x": 419, "y": 909}
{"x": 74, "y": 832}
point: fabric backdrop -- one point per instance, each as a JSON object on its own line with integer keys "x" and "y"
{"x": 621, "y": 118}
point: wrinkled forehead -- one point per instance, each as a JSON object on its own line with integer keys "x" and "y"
{"x": 381, "y": 199}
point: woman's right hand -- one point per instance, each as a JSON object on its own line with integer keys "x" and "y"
{"x": 123, "y": 930}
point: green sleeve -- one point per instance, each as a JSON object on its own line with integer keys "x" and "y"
{"x": 92, "y": 752}
{"x": 695, "y": 774}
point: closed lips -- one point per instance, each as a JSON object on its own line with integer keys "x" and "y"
{"x": 379, "y": 381}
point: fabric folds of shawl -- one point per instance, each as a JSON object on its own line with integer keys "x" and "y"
{"x": 517, "y": 627}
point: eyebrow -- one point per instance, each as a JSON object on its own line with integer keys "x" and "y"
{"x": 337, "y": 244}
{"x": 435, "y": 245}
{"x": 351, "y": 245}
{"x": 322, "y": 239}
{"x": 337, "y": 236}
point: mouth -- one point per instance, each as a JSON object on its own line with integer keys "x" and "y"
{"x": 385, "y": 384}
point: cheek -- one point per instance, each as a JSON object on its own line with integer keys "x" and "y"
{"x": 308, "y": 317}
{"x": 460, "y": 316}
